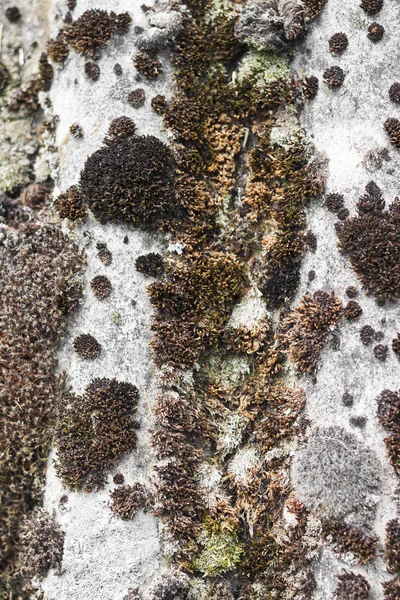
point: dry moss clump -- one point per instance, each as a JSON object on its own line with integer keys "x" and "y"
{"x": 94, "y": 29}
{"x": 87, "y": 346}
{"x": 389, "y": 417}
{"x": 372, "y": 241}
{"x": 351, "y": 587}
{"x": 93, "y": 431}
{"x": 43, "y": 543}
{"x": 304, "y": 330}
{"x": 130, "y": 181}
{"x": 40, "y": 263}
{"x": 71, "y": 204}
{"x": 101, "y": 286}
{"x": 392, "y": 546}
{"x": 346, "y": 539}
{"x": 126, "y": 500}
{"x": 151, "y": 264}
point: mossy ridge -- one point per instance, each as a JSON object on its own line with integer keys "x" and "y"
{"x": 41, "y": 263}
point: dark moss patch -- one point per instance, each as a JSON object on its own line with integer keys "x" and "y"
{"x": 41, "y": 266}
{"x": 391, "y": 589}
{"x": 392, "y": 546}
{"x": 334, "y": 202}
{"x": 375, "y": 32}
{"x": 150, "y": 264}
{"x": 130, "y": 181}
{"x": 126, "y": 500}
{"x": 338, "y": 43}
{"x": 392, "y": 127}
{"x": 101, "y": 287}
{"x": 314, "y": 7}
{"x": 352, "y": 311}
{"x": 104, "y": 254}
{"x": 118, "y": 479}
{"x": 351, "y": 587}
{"x": 71, "y": 204}
{"x": 76, "y": 130}
{"x": 137, "y": 98}
{"x": 372, "y": 241}
{"x": 159, "y": 104}
{"x": 304, "y": 331}
{"x": 4, "y": 77}
{"x": 93, "y": 431}
{"x": 94, "y": 29}
{"x": 389, "y": 417}
{"x": 394, "y": 92}
{"x": 87, "y": 346}
{"x": 310, "y": 87}
{"x": 13, "y": 14}
{"x": 347, "y": 399}
{"x": 334, "y": 76}
{"x": 351, "y": 291}
{"x": 43, "y": 543}
{"x": 120, "y": 127}
{"x": 57, "y": 49}
{"x": 148, "y": 65}
{"x": 371, "y": 7}
{"x": 348, "y": 539}
{"x": 381, "y": 352}
{"x": 396, "y": 345}
{"x": 92, "y": 71}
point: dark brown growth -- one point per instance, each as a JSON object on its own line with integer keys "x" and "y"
{"x": 375, "y": 32}
{"x": 69, "y": 299}
{"x": 310, "y": 87}
{"x": 31, "y": 323}
{"x": 334, "y": 202}
{"x": 120, "y": 127}
{"x": 43, "y": 543}
{"x": 57, "y": 49}
{"x": 131, "y": 181}
{"x": 347, "y": 399}
{"x": 117, "y": 69}
{"x": 311, "y": 275}
{"x": 150, "y": 264}
{"x": 104, "y": 254}
{"x": 351, "y": 291}
{"x": 389, "y": 417}
{"x": 310, "y": 240}
{"x": 352, "y": 311}
{"x": 71, "y": 204}
{"x": 305, "y": 329}
{"x": 392, "y": 546}
{"x": 371, "y": 7}
{"x": 13, "y": 14}
{"x": 94, "y": 29}
{"x": 4, "y": 77}
{"x": 346, "y": 539}
{"x": 367, "y": 335}
{"x": 396, "y": 345}
{"x": 35, "y": 195}
{"x": 118, "y": 479}
{"x": 93, "y": 431}
{"x": 45, "y": 72}
{"x": 334, "y": 76}
{"x": 76, "y": 130}
{"x": 343, "y": 213}
{"x": 358, "y": 421}
{"x": 87, "y": 346}
{"x": 338, "y": 43}
{"x": 394, "y": 92}
{"x": 381, "y": 352}
{"x": 128, "y": 499}
{"x": 137, "y": 98}
{"x": 313, "y": 7}
{"x": 92, "y": 71}
{"x": 391, "y": 589}
{"x": 148, "y": 65}
{"x": 159, "y": 104}
{"x": 71, "y": 4}
{"x": 372, "y": 241}
{"x": 392, "y": 127}
{"x": 351, "y": 587}
{"x": 101, "y": 286}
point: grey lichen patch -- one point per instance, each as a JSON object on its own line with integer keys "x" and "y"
{"x": 16, "y": 145}
{"x": 263, "y": 67}
{"x": 221, "y": 550}
{"x": 337, "y": 476}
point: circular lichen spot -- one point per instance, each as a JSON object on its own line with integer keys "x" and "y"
{"x": 337, "y": 476}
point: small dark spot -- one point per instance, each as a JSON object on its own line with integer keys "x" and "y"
{"x": 358, "y": 421}
{"x": 13, "y": 14}
{"x": 137, "y": 98}
{"x": 118, "y": 478}
{"x": 126, "y": 240}
{"x": 347, "y": 399}
{"x": 381, "y": 352}
{"x": 118, "y": 69}
{"x": 92, "y": 70}
{"x": 351, "y": 291}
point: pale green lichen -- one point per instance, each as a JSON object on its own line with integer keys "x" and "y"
{"x": 263, "y": 68}
{"x": 227, "y": 372}
{"x": 221, "y": 550}
{"x": 231, "y": 432}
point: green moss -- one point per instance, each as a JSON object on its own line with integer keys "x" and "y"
{"x": 221, "y": 549}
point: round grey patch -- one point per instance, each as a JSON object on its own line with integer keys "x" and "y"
{"x": 337, "y": 476}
